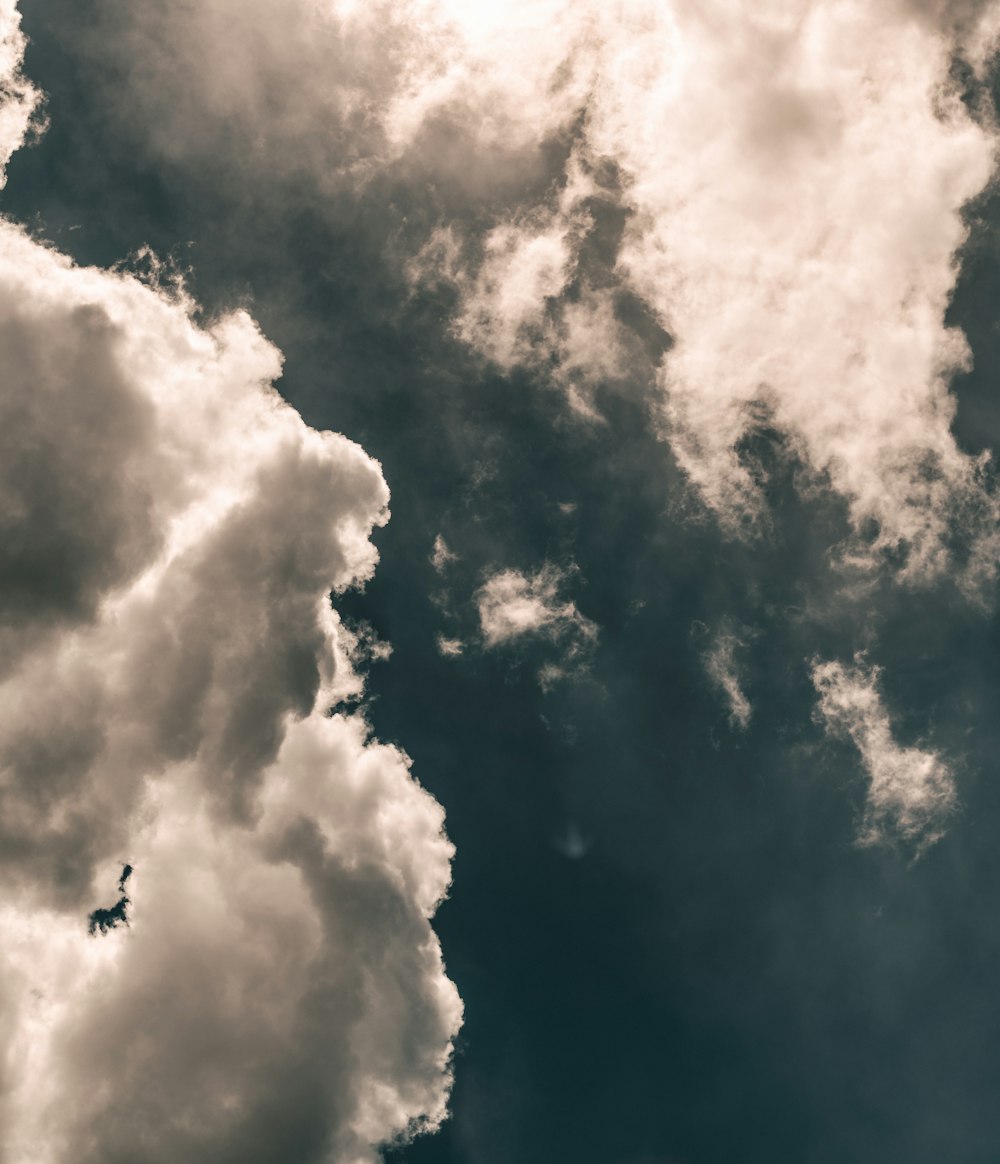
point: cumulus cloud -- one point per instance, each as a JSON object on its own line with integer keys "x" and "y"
{"x": 19, "y": 100}
{"x": 911, "y": 791}
{"x": 795, "y": 187}
{"x": 171, "y": 670}
{"x": 790, "y": 177}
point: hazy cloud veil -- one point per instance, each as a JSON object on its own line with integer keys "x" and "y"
{"x": 170, "y": 671}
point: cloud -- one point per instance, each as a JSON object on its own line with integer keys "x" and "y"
{"x": 571, "y": 842}
{"x": 514, "y": 606}
{"x": 442, "y": 555}
{"x": 911, "y": 791}
{"x": 19, "y": 100}
{"x": 723, "y": 669}
{"x": 782, "y": 187}
{"x": 794, "y": 196}
{"x": 171, "y": 670}
{"x": 449, "y": 647}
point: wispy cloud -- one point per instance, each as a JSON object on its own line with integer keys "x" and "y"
{"x": 513, "y": 606}
{"x": 722, "y": 665}
{"x": 911, "y": 790}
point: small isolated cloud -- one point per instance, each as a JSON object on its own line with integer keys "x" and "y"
{"x": 449, "y": 647}
{"x": 514, "y": 606}
{"x": 441, "y": 555}
{"x": 911, "y": 791}
{"x": 723, "y": 669}
{"x": 270, "y": 986}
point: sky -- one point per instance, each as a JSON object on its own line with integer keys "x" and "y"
{"x": 499, "y": 551}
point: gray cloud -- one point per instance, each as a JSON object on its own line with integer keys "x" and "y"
{"x": 171, "y": 530}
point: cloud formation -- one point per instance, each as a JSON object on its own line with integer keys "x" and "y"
{"x": 911, "y": 791}
{"x": 514, "y": 606}
{"x": 794, "y": 190}
{"x": 171, "y": 670}
{"x": 19, "y": 100}
{"x": 788, "y": 179}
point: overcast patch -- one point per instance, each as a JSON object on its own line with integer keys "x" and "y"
{"x": 911, "y": 791}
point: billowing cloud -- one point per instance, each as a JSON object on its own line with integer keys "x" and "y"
{"x": 790, "y": 175}
{"x": 911, "y": 791}
{"x": 172, "y": 686}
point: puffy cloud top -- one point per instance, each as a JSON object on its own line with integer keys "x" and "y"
{"x": 170, "y": 673}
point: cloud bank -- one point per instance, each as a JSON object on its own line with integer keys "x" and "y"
{"x": 911, "y": 792}
{"x": 791, "y": 176}
{"x": 170, "y": 673}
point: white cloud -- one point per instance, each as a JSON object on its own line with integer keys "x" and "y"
{"x": 169, "y": 532}
{"x": 911, "y": 791}
{"x": 723, "y": 669}
{"x": 442, "y": 555}
{"x": 793, "y": 174}
{"x": 514, "y": 606}
{"x": 19, "y": 100}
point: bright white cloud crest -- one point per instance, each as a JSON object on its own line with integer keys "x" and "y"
{"x": 513, "y": 606}
{"x": 168, "y": 655}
